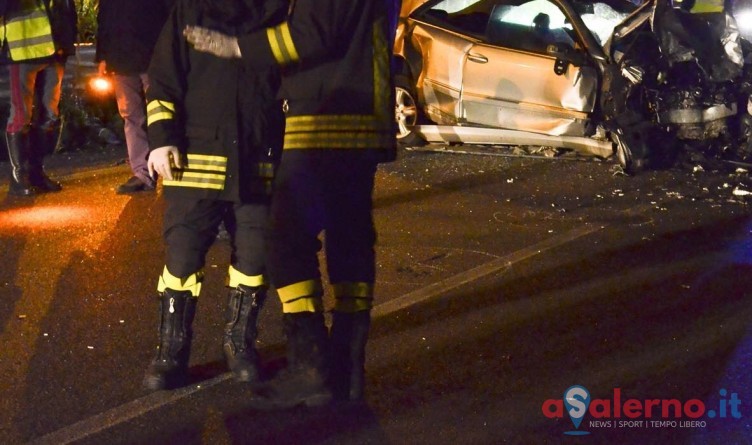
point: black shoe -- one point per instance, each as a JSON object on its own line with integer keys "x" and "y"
{"x": 133, "y": 185}
{"x": 41, "y": 181}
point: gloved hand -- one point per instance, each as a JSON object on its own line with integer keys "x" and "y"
{"x": 162, "y": 160}
{"x": 212, "y": 42}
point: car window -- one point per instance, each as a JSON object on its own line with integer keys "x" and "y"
{"x": 532, "y": 25}
{"x": 517, "y": 24}
{"x": 466, "y": 16}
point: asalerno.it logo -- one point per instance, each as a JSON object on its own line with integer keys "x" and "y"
{"x": 621, "y": 412}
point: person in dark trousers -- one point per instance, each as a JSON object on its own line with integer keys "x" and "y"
{"x": 126, "y": 34}
{"x": 215, "y": 130}
{"x": 339, "y": 125}
{"x": 38, "y": 36}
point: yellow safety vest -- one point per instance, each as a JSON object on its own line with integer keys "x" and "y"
{"x": 705, "y": 6}
{"x": 29, "y": 34}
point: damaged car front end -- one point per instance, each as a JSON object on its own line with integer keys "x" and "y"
{"x": 599, "y": 77}
{"x": 677, "y": 80}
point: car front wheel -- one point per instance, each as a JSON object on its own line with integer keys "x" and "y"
{"x": 407, "y": 113}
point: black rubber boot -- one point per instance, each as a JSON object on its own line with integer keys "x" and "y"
{"x": 304, "y": 381}
{"x": 42, "y": 143}
{"x": 169, "y": 368}
{"x": 241, "y": 331}
{"x": 347, "y": 344}
{"x": 18, "y": 155}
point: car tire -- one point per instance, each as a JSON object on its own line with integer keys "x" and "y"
{"x": 407, "y": 112}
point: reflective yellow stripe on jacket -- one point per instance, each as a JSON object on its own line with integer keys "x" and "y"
{"x": 336, "y": 131}
{"x": 280, "y": 41}
{"x": 209, "y": 172}
{"x": 201, "y": 171}
{"x": 29, "y": 36}
{"x": 157, "y": 110}
{"x": 265, "y": 170}
{"x": 361, "y": 131}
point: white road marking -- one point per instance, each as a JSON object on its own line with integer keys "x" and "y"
{"x": 462, "y": 278}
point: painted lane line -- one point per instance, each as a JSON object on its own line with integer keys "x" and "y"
{"x": 439, "y": 288}
{"x": 125, "y": 412}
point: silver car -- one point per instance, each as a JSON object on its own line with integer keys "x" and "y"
{"x": 588, "y": 75}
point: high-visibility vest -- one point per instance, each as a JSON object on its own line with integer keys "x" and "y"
{"x": 705, "y": 6}
{"x": 29, "y": 34}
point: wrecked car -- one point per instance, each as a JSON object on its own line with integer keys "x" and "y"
{"x": 601, "y": 77}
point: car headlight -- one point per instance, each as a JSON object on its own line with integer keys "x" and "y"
{"x": 744, "y": 21}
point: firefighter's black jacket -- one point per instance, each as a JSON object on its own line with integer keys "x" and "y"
{"x": 225, "y": 119}
{"x": 337, "y": 82}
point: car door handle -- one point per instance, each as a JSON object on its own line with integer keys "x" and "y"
{"x": 479, "y": 58}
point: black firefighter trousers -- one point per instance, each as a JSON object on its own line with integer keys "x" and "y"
{"x": 191, "y": 226}
{"x": 329, "y": 191}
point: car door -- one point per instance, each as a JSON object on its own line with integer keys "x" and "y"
{"x": 442, "y": 56}
{"x": 508, "y": 79}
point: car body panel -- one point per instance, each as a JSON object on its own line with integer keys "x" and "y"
{"x": 441, "y": 74}
{"x": 491, "y": 136}
{"x": 598, "y": 76}
{"x": 522, "y": 99}
{"x": 465, "y": 77}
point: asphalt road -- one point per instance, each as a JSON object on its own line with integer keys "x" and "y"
{"x": 502, "y": 282}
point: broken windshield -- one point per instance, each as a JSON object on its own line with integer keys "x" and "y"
{"x": 602, "y": 17}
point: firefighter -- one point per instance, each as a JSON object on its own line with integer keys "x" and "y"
{"x": 215, "y": 131}
{"x": 339, "y": 125}
{"x": 38, "y": 36}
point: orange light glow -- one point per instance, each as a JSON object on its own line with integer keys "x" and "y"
{"x": 101, "y": 85}
{"x": 45, "y": 217}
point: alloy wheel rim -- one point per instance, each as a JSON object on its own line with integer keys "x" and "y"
{"x": 406, "y": 112}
